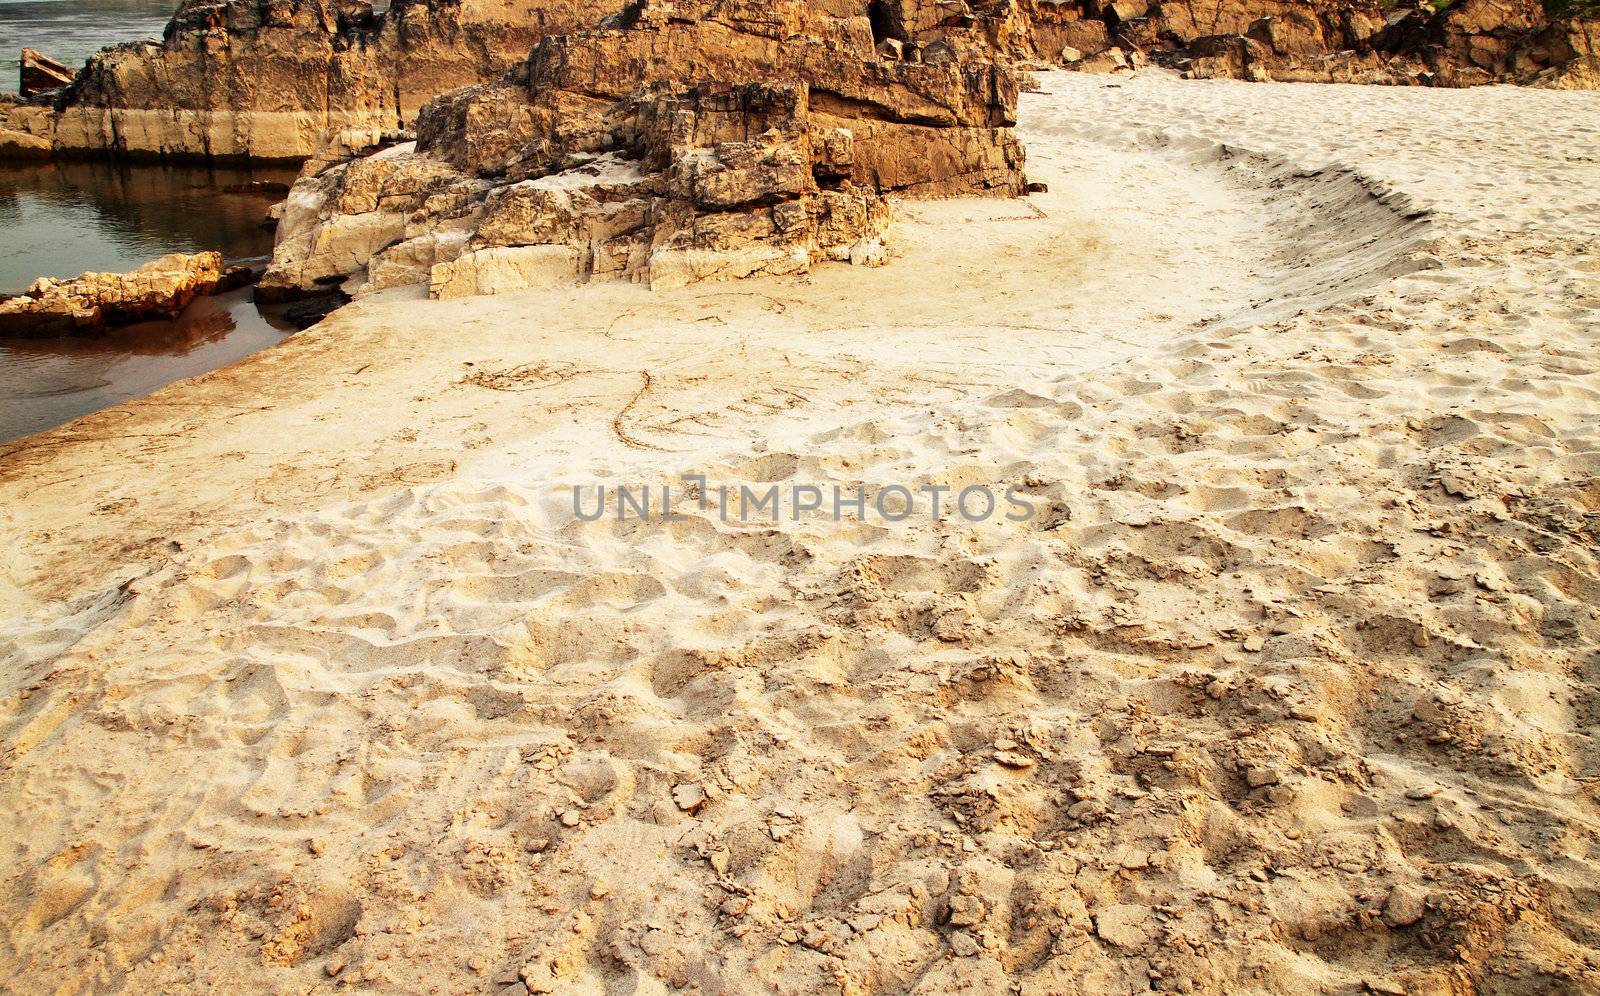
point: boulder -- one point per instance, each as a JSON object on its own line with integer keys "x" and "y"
{"x": 21, "y": 145}
{"x": 334, "y": 223}
{"x": 24, "y": 128}
{"x": 40, "y": 73}
{"x": 667, "y": 149}
{"x": 92, "y": 302}
{"x": 669, "y": 185}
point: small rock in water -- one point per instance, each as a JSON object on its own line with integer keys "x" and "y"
{"x": 92, "y": 302}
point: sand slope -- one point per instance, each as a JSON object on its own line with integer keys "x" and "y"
{"x": 312, "y": 680}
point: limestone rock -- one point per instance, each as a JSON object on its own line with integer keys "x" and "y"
{"x": 25, "y": 127}
{"x": 1405, "y": 906}
{"x": 21, "y": 145}
{"x": 668, "y": 184}
{"x": 292, "y": 79}
{"x": 93, "y": 301}
{"x": 500, "y": 269}
{"x": 333, "y": 224}
{"x": 269, "y": 78}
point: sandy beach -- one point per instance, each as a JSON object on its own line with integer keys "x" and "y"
{"x": 314, "y": 680}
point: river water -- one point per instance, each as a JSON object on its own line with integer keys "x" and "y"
{"x": 46, "y": 382}
{"x": 60, "y": 219}
{"x": 71, "y": 30}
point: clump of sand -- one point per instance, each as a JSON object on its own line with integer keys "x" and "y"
{"x": 313, "y": 680}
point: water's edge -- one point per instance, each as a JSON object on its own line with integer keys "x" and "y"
{"x": 62, "y": 218}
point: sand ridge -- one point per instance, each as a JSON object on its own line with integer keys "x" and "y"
{"x": 1288, "y": 688}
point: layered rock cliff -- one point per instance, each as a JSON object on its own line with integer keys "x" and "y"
{"x": 670, "y": 146}
{"x": 274, "y": 79}
{"x": 289, "y": 79}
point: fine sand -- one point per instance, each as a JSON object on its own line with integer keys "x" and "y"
{"x": 313, "y": 680}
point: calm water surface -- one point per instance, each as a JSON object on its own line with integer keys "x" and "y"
{"x": 60, "y": 219}
{"x": 71, "y": 30}
{"x": 45, "y": 382}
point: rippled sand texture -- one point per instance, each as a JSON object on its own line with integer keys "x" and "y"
{"x": 312, "y": 680}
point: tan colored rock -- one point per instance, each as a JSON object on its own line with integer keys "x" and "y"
{"x": 270, "y": 80}
{"x": 93, "y": 301}
{"x": 334, "y": 223}
{"x": 1123, "y": 925}
{"x": 21, "y": 145}
{"x": 1563, "y": 55}
{"x": 412, "y": 261}
{"x": 298, "y": 79}
{"x": 668, "y": 186}
{"x": 501, "y": 269}
{"x": 1405, "y": 906}
{"x": 41, "y": 73}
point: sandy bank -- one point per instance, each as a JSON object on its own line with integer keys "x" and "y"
{"x": 312, "y": 679}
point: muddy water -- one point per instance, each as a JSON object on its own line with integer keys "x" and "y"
{"x": 45, "y": 382}
{"x": 60, "y": 219}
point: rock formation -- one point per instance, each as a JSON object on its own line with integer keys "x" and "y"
{"x": 1564, "y": 54}
{"x": 273, "y": 79}
{"x": 39, "y": 73}
{"x": 94, "y": 301}
{"x": 668, "y": 149}
{"x": 1488, "y": 41}
{"x": 294, "y": 79}
{"x": 1357, "y": 41}
{"x": 25, "y": 129}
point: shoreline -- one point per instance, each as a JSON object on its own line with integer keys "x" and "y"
{"x": 1286, "y": 687}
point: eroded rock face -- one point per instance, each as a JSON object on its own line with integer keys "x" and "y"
{"x": 1489, "y": 41}
{"x": 931, "y": 129}
{"x": 25, "y": 128}
{"x": 93, "y": 301}
{"x": 675, "y": 145}
{"x": 1564, "y": 54}
{"x": 670, "y": 186}
{"x": 1468, "y": 43}
{"x": 298, "y": 79}
{"x": 272, "y": 79}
